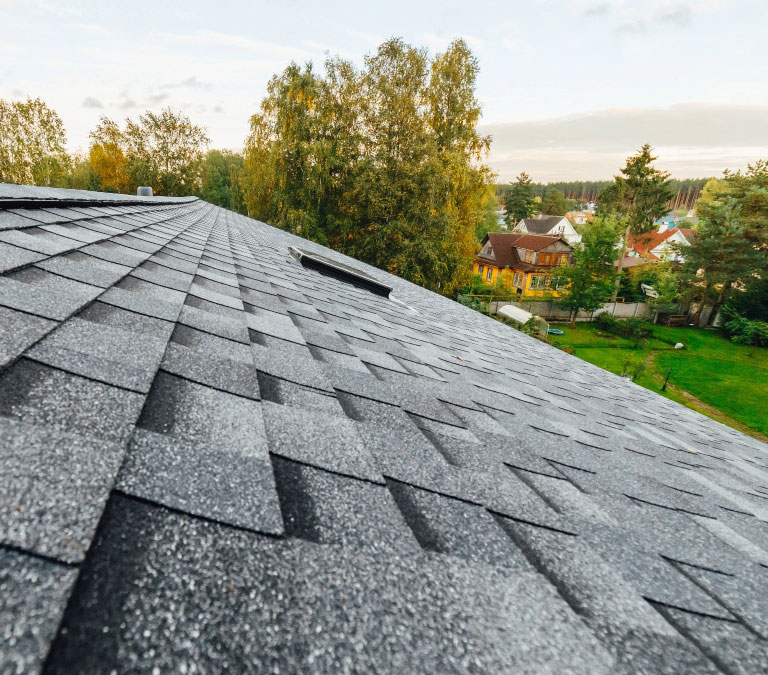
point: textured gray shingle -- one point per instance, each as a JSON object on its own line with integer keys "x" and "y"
{"x": 261, "y": 604}
{"x": 33, "y": 595}
{"x": 250, "y": 466}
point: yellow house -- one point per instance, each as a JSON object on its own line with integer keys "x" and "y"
{"x": 527, "y": 262}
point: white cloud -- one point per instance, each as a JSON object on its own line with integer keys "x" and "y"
{"x": 692, "y": 140}
{"x": 234, "y": 41}
{"x": 91, "y": 102}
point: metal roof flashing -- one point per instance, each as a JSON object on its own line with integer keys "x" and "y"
{"x": 340, "y": 271}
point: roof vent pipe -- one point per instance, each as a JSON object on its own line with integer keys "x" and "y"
{"x": 144, "y": 191}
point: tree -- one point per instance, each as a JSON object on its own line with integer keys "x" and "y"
{"x": 720, "y": 257}
{"x": 555, "y": 203}
{"x": 638, "y": 196}
{"x": 748, "y": 191}
{"x": 489, "y": 221}
{"x": 220, "y": 182}
{"x": 81, "y": 175}
{"x": 163, "y": 151}
{"x": 382, "y": 163}
{"x": 520, "y": 202}
{"x": 32, "y": 142}
{"x": 590, "y": 278}
{"x": 751, "y": 302}
{"x": 107, "y": 156}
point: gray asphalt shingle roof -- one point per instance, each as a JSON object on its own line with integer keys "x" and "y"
{"x": 214, "y": 458}
{"x": 540, "y": 224}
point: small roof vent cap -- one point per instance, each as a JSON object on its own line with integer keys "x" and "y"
{"x": 144, "y": 191}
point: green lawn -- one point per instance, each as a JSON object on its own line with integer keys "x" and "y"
{"x": 729, "y": 377}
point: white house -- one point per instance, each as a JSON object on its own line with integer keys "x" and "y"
{"x": 657, "y": 245}
{"x": 552, "y": 225}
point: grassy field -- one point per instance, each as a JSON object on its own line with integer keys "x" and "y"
{"x": 711, "y": 370}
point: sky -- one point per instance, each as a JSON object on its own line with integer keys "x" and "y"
{"x": 569, "y": 88}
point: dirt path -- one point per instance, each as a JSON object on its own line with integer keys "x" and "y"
{"x": 698, "y": 405}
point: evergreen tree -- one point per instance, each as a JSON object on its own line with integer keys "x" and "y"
{"x": 638, "y": 196}
{"x": 721, "y": 256}
{"x": 520, "y": 202}
{"x": 555, "y": 203}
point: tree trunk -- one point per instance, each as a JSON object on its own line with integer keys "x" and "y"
{"x": 719, "y": 302}
{"x": 620, "y": 265}
{"x": 697, "y": 314}
{"x": 573, "y": 318}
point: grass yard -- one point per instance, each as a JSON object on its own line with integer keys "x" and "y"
{"x": 731, "y": 378}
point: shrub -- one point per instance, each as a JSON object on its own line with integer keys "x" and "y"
{"x": 473, "y": 303}
{"x": 605, "y": 322}
{"x": 634, "y": 329}
{"x": 746, "y": 332}
{"x": 634, "y": 366}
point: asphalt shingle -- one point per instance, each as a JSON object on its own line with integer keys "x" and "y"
{"x": 249, "y": 465}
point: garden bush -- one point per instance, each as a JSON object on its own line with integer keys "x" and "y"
{"x": 605, "y": 322}
{"x": 746, "y": 332}
{"x": 633, "y": 329}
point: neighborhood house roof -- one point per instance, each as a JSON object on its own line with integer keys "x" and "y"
{"x": 540, "y": 224}
{"x": 214, "y": 458}
{"x": 505, "y": 245}
{"x": 645, "y": 243}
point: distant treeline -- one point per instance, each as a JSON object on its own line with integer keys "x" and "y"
{"x": 685, "y": 191}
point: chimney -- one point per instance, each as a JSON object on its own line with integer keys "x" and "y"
{"x": 144, "y": 191}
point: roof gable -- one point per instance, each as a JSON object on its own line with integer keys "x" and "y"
{"x": 645, "y": 243}
{"x": 542, "y": 224}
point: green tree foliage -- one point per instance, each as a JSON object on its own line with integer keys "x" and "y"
{"x": 686, "y": 190}
{"x": 81, "y": 175}
{"x": 638, "y": 196}
{"x": 380, "y": 163}
{"x": 163, "y": 150}
{"x": 720, "y": 256}
{"x": 590, "y": 278}
{"x": 746, "y": 332}
{"x": 729, "y": 254}
{"x": 749, "y": 302}
{"x": 220, "y": 181}
{"x": 489, "y": 221}
{"x": 520, "y": 203}
{"x": 748, "y": 193}
{"x": 32, "y": 144}
{"x": 555, "y": 203}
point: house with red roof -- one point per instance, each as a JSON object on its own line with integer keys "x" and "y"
{"x": 658, "y": 245}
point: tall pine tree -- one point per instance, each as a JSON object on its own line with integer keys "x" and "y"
{"x": 520, "y": 202}
{"x": 638, "y": 196}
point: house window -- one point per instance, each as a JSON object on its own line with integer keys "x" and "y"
{"x": 558, "y": 282}
{"x": 539, "y": 282}
{"x": 480, "y": 269}
{"x": 549, "y": 258}
{"x": 529, "y": 256}
{"x": 489, "y": 274}
{"x": 517, "y": 280}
